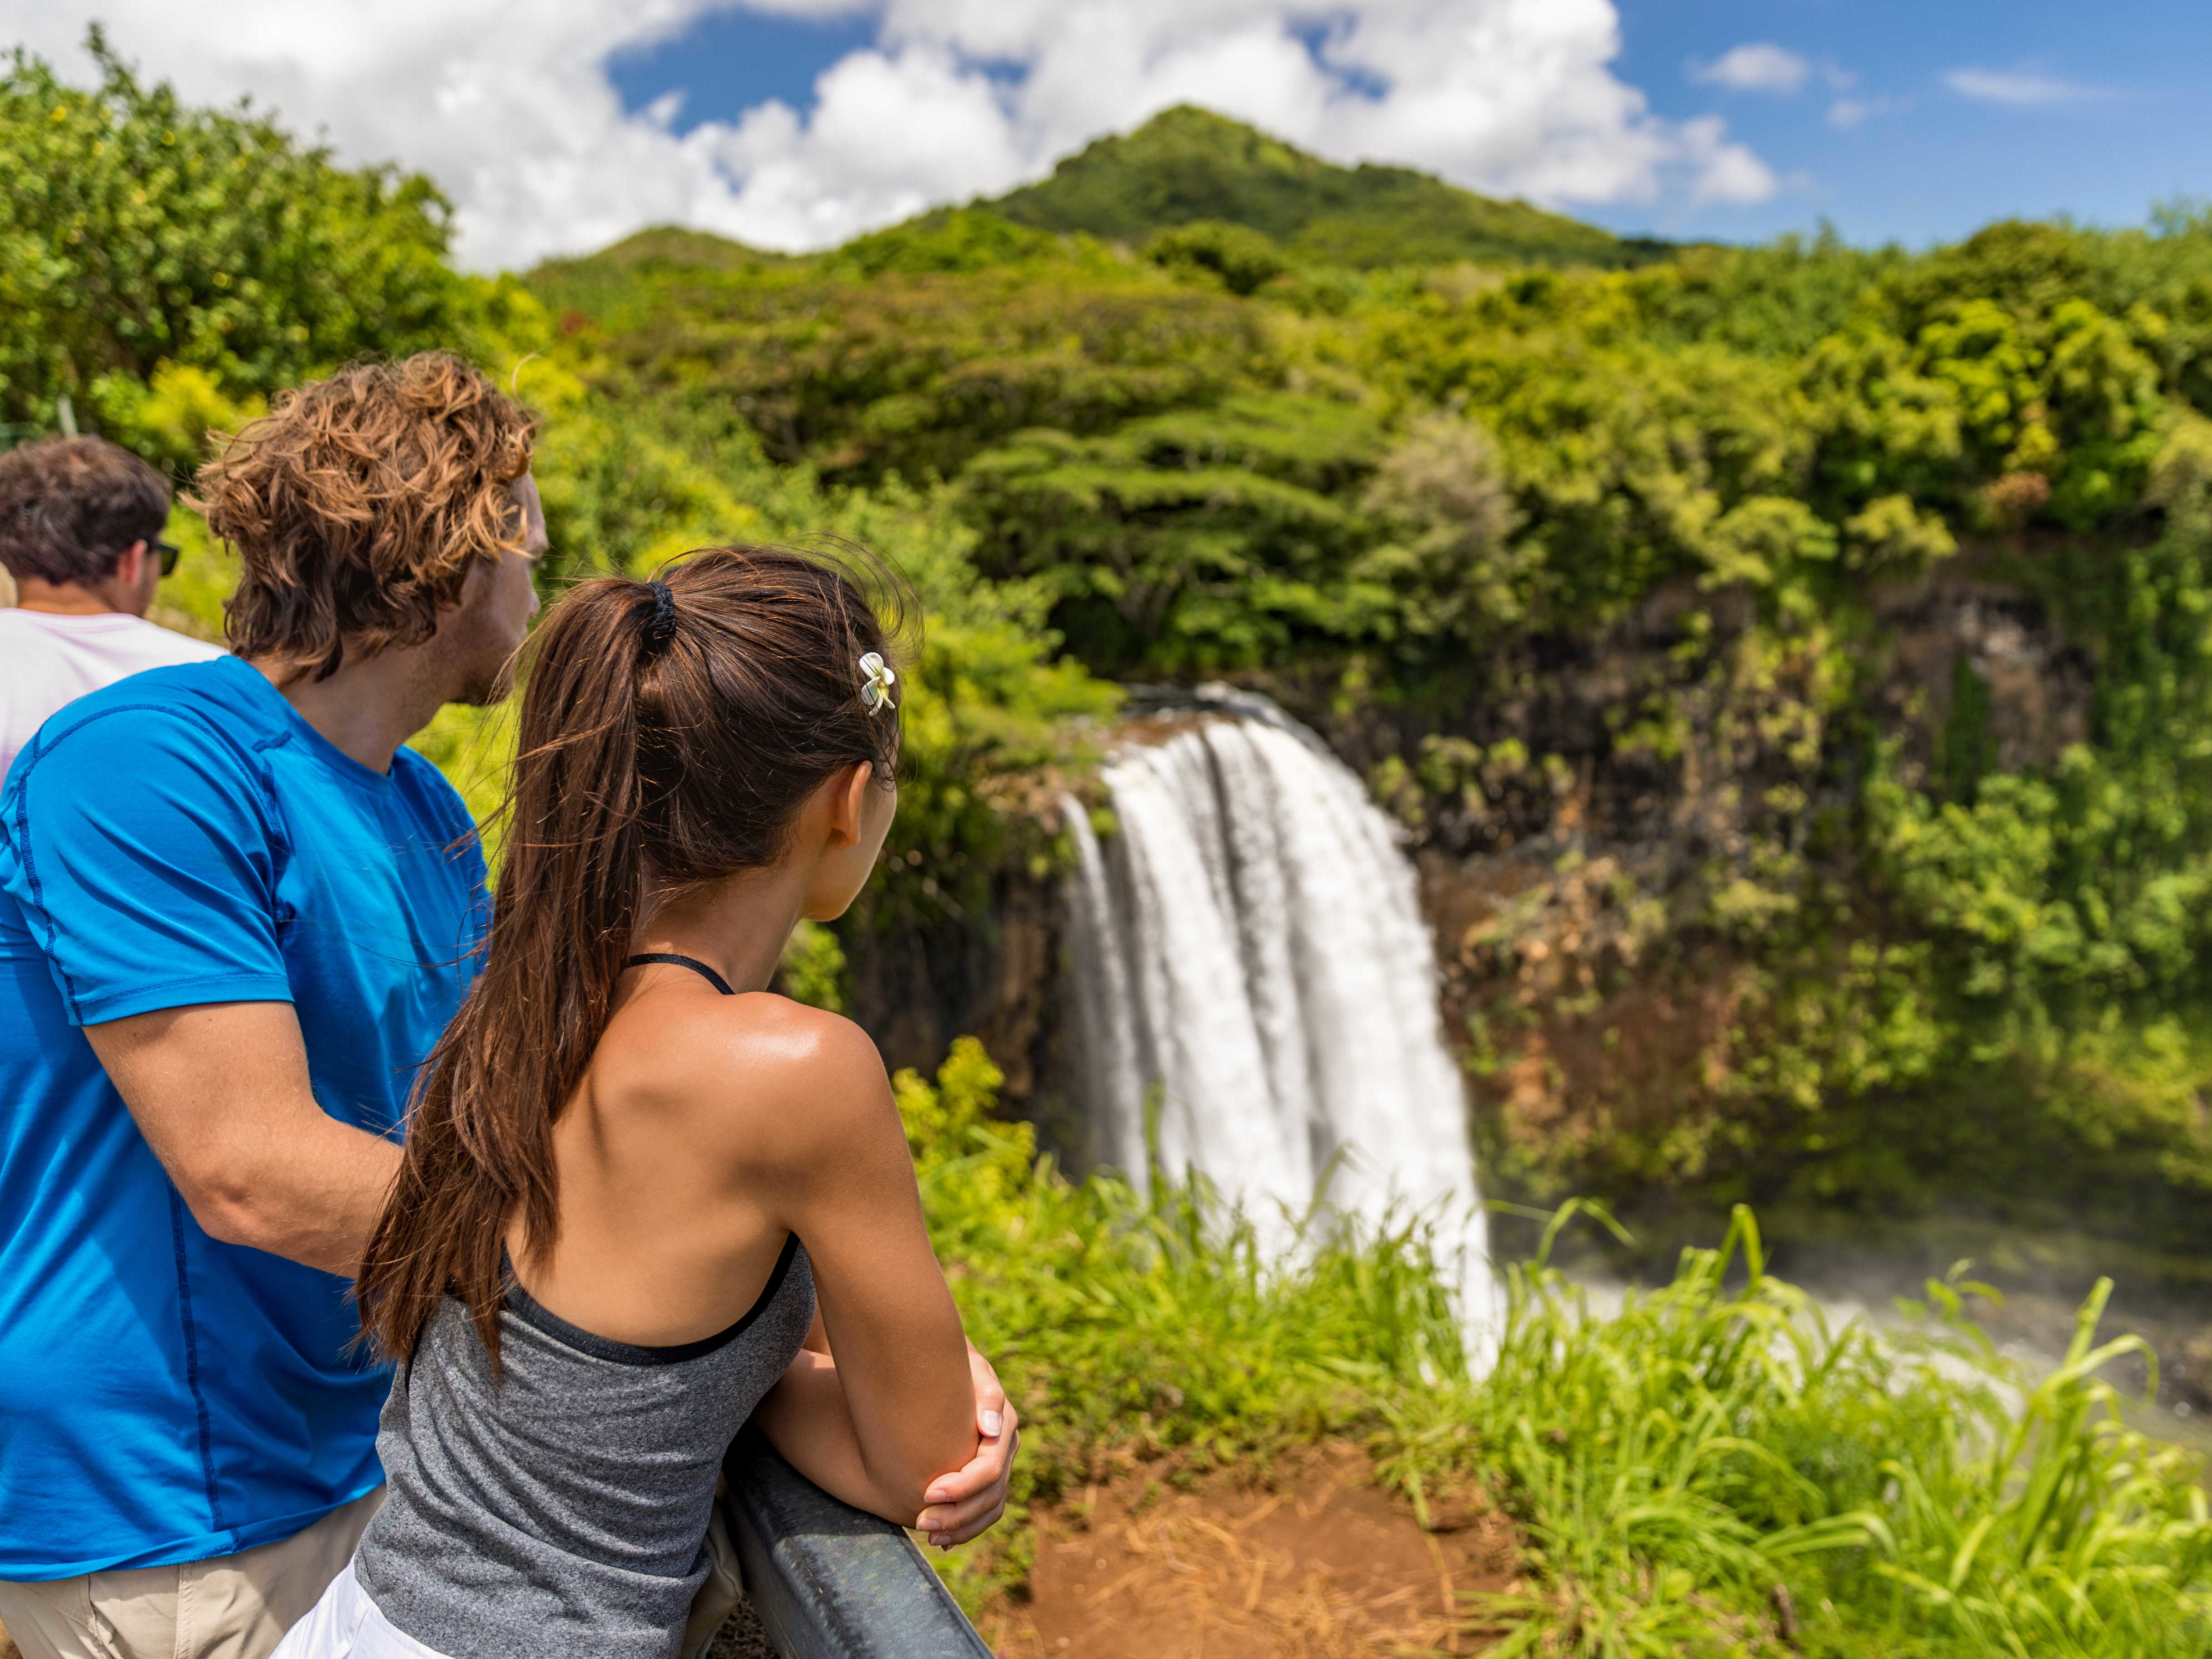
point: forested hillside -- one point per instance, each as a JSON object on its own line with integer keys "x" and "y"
{"x": 1785, "y": 657}
{"x": 1790, "y": 665}
{"x": 1787, "y": 661}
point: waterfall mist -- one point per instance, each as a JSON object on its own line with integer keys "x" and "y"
{"x": 1250, "y": 942}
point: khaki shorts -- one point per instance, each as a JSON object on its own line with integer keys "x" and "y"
{"x": 718, "y": 1596}
{"x": 239, "y": 1606}
{"x": 230, "y": 1607}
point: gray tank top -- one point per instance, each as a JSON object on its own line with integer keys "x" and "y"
{"x": 562, "y": 1510}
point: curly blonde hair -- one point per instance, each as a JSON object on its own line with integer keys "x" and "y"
{"x": 359, "y": 505}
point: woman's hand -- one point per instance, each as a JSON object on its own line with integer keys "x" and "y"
{"x": 969, "y": 1501}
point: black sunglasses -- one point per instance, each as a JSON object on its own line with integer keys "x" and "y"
{"x": 169, "y": 554}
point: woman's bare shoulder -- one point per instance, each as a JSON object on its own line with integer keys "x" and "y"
{"x": 779, "y": 1077}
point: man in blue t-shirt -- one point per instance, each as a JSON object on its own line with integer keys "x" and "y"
{"x": 234, "y": 915}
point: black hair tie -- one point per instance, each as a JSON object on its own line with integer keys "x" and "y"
{"x": 660, "y": 626}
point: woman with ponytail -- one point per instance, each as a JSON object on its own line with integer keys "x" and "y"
{"x": 643, "y": 1199}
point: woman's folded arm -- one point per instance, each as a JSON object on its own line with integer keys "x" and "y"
{"x": 895, "y": 1408}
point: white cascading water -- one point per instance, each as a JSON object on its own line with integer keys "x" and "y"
{"x": 1250, "y": 944}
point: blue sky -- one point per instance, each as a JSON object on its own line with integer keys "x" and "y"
{"x": 1914, "y": 122}
{"x": 2123, "y": 118}
{"x": 728, "y": 61}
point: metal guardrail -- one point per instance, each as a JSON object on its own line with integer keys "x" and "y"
{"x": 827, "y": 1581}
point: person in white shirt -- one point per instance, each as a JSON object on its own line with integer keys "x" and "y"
{"x": 81, "y": 524}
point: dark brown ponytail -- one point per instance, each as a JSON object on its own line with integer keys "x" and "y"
{"x": 671, "y": 731}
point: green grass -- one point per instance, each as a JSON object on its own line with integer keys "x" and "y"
{"x": 1128, "y": 1327}
{"x": 1717, "y": 1451}
{"x": 1714, "y": 1469}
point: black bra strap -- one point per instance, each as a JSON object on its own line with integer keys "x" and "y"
{"x": 697, "y": 967}
{"x": 539, "y": 1317}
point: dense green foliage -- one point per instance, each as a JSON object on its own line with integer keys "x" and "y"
{"x": 1684, "y": 1468}
{"x": 1943, "y": 880}
{"x": 154, "y": 256}
{"x": 1795, "y": 646}
{"x": 916, "y": 359}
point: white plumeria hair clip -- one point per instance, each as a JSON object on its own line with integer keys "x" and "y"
{"x": 878, "y": 676}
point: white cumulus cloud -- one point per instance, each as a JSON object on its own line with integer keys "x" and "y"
{"x": 512, "y": 111}
{"x": 2021, "y": 88}
{"x": 1755, "y": 66}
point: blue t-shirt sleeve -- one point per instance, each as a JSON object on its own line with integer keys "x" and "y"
{"x": 147, "y": 866}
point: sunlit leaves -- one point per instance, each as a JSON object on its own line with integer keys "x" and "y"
{"x": 136, "y": 230}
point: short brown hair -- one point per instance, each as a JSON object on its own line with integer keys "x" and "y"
{"x": 69, "y": 507}
{"x": 359, "y": 505}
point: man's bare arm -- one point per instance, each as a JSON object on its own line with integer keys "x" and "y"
{"x": 221, "y": 1093}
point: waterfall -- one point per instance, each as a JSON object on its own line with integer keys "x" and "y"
{"x": 1249, "y": 942}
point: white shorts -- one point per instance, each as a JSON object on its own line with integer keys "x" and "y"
{"x": 346, "y": 1624}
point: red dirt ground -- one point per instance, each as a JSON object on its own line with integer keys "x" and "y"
{"x": 1320, "y": 1564}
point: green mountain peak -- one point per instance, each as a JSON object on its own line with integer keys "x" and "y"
{"x": 1189, "y": 165}
{"x": 676, "y": 245}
